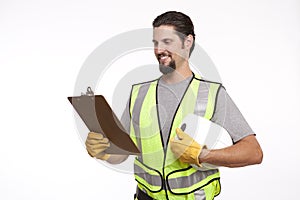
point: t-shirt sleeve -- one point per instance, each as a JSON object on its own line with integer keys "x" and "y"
{"x": 125, "y": 118}
{"x": 229, "y": 117}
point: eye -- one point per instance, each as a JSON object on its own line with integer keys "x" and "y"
{"x": 167, "y": 41}
{"x": 155, "y": 43}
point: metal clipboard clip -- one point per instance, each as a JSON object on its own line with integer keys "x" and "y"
{"x": 89, "y": 92}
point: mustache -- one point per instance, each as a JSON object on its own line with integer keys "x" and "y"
{"x": 164, "y": 54}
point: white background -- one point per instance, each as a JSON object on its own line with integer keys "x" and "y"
{"x": 43, "y": 44}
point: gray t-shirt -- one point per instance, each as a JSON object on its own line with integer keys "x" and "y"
{"x": 169, "y": 97}
{"x": 226, "y": 113}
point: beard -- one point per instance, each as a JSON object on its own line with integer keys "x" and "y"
{"x": 166, "y": 69}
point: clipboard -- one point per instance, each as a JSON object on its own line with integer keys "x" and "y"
{"x": 98, "y": 116}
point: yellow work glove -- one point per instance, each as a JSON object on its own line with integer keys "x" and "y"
{"x": 96, "y": 145}
{"x": 186, "y": 148}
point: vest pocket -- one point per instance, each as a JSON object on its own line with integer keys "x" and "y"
{"x": 150, "y": 178}
{"x": 188, "y": 180}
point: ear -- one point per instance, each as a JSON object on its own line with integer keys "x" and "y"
{"x": 188, "y": 41}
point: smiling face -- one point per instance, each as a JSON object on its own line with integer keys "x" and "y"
{"x": 169, "y": 49}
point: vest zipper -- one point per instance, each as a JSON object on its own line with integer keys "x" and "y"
{"x": 163, "y": 169}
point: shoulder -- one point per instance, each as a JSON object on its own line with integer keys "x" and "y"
{"x": 209, "y": 82}
{"x": 143, "y": 86}
{"x": 145, "y": 83}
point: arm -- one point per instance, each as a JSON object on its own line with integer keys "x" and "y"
{"x": 243, "y": 152}
{"x": 246, "y": 151}
{"x": 117, "y": 159}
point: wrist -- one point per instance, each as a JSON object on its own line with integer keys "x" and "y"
{"x": 203, "y": 155}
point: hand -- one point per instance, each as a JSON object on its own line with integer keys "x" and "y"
{"x": 186, "y": 148}
{"x": 96, "y": 145}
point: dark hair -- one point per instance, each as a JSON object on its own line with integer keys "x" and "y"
{"x": 181, "y": 23}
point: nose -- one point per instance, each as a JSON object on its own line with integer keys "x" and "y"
{"x": 159, "y": 48}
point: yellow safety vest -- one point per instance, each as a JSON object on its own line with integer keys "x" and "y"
{"x": 157, "y": 171}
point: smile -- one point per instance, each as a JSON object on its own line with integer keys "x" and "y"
{"x": 163, "y": 57}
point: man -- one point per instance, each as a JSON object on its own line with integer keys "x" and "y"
{"x": 165, "y": 169}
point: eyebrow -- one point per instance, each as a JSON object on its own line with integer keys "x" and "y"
{"x": 164, "y": 40}
{"x": 167, "y": 39}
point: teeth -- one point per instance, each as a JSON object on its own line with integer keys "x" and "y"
{"x": 164, "y": 56}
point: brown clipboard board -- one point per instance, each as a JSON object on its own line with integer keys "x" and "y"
{"x": 98, "y": 116}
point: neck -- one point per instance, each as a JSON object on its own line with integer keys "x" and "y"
{"x": 180, "y": 74}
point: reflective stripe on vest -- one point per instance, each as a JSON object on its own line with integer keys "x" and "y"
{"x": 157, "y": 170}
